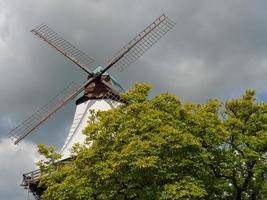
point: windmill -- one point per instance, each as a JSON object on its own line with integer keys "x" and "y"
{"x": 100, "y": 90}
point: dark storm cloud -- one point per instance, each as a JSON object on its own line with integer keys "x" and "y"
{"x": 217, "y": 49}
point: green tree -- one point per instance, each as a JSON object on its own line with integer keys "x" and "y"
{"x": 162, "y": 149}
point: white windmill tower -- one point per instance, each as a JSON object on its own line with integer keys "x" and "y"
{"x": 96, "y": 99}
{"x": 100, "y": 90}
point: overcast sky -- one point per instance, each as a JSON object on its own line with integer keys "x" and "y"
{"x": 217, "y": 49}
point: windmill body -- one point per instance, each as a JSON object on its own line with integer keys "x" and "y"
{"x": 96, "y": 98}
{"x": 80, "y": 121}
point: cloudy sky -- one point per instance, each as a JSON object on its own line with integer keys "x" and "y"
{"x": 217, "y": 49}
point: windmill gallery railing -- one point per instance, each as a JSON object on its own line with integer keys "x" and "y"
{"x": 31, "y": 179}
{"x": 30, "y": 182}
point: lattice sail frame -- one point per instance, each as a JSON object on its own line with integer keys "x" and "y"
{"x": 142, "y": 42}
{"x": 63, "y": 46}
{"x": 33, "y": 121}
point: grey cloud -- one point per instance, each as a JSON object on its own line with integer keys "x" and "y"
{"x": 15, "y": 160}
{"x": 217, "y": 49}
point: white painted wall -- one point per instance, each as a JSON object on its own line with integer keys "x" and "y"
{"x": 80, "y": 121}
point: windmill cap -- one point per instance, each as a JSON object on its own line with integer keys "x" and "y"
{"x": 115, "y": 83}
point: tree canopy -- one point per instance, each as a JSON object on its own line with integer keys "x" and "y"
{"x": 162, "y": 149}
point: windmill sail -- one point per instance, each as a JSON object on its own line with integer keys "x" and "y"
{"x": 141, "y": 43}
{"x": 63, "y": 46}
{"x": 33, "y": 121}
{"x": 126, "y": 56}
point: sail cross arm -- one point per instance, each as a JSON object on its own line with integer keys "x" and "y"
{"x": 141, "y": 43}
{"x": 63, "y": 46}
{"x": 41, "y": 115}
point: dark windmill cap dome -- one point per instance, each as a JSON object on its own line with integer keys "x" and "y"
{"x": 115, "y": 83}
{"x": 98, "y": 90}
